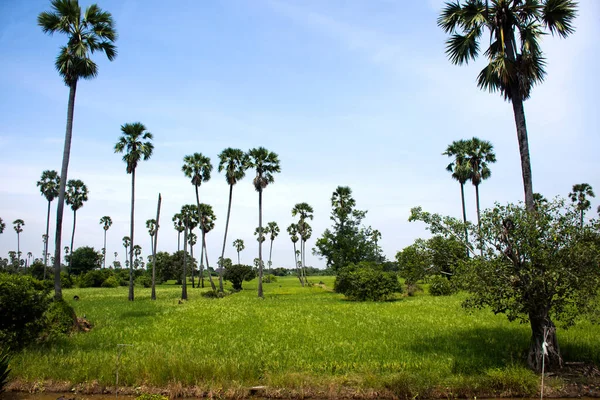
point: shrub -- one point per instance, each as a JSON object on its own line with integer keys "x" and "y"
{"x": 214, "y": 294}
{"x": 440, "y": 286}
{"x": 66, "y": 282}
{"x": 366, "y": 281}
{"x": 238, "y": 273}
{"x": 93, "y": 278}
{"x": 60, "y": 318}
{"x": 412, "y": 289}
{"x": 23, "y": 302}
{"x": 110, "y": 282}
{"x": 144, "y": 280}
{"x": 270, "y": 278}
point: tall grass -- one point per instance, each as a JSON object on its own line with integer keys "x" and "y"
{"x": 295, "y": 338}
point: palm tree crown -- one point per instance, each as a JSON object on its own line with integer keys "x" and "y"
{"x": 88, "y": 33}
{"x": 460, "y": 168}
{"x": 239, "y": 245}
{"x": 49, "y": 184}
{"x": 77, "y": 194}
{"x": 207, "y": 217}
{"x": 579, "y": 195}
{"x": 480, "y": 153}
{"x": 266, "y": 164}
{"x": 2, "y": 225}
{"x": 106, "y": 222}
{"x": 18, "y": 225}
{"x": 133, "y": 145}
{"x": 151, "y": 226}
{"x": 293, "y": 232}
{"x": 197, "y": 167}
{"x": 234, "y": 162}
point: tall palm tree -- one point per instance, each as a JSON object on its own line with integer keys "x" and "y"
{"x": 88, "y": 33}
{"x": 305, "y": 211}
{"x": 376, "y": 236}
{"x": 136, "y": 145}
{"x": 49, "y": 185}
{"x": 515, "y": 63}
{"x": 192, "y": 240}
{"x": 207, "y": 220}
{"x": 154, "y": 247}
{"x": 293, "y": 232}
{"x": 579, "y": 195}
{"x": 77, "y": 194}
{"x": 137, "y": 251}
{"x": 152, "y": 226}
{"x": 29, "y": 257}
{"x": 234, "y": 163}
{"x": 106, "y": 223}
{"x": 480, "y": 153}
{"x": 238, "y": 244}
{"x": 343, "y": 203}
{"x": 461, "y": 171}
{"x": 189, "y": 215}
{"x": 178, "y": 223}
{"x": 266, "y": 163}
{"x": 18, "y": 225}
{"x": 273, "y": 231}
{"x": 126, "y": 244}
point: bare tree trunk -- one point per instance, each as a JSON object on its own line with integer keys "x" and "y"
{"x": 478, "y": 219}
{"x": 131, "y": 236}
{"x": 192, "y": 256}
{"x": 212, "y": 284}
{"x": 519, "y": 112}
{"x": 260, "y": 265}
{"x": 178, "y": 240}
{"x": 184, "y": 280}
{"x": 153, "y": 296}
{"x": 46, "y": 241}
{"x": 238, "y": 257}
{"x": 225, "y": 239}
{"x": 296, "y": 265}
{"x": 202, "y": 260}
{"x": 270, "y": 254}
{"x": 543, "y": 330}
{"x": 104, "y": 249}
{"x": 19, "y": 248}
{"x": 72, "y": 240}
{"x": 464, "y": 212}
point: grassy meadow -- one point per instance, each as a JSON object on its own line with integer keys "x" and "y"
{"x": 295, "y": 340}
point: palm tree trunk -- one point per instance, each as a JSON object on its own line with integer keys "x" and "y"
{"x": 519, "y": 112}
{"x": 260, "y": 266}
{"x": 46, "y": 244}
{"x": 184, "y": 279}
{"x": 178, "y": 240}
{"x": 153, "y": 296}
{"x": 72, "y": 240}
{"x": 212, "y": 284}
{"x": 19, "y": 249}
{"x": 238, "y": 257}
{"x": 225, "y": 239}
{"x": 303, "y": 251}
{"x": 61, "y": 191}
{"x": 104, "y": 249}
{"x": 270, "y": 253}
{"x": 202, "y": 260}
{"x": 581, "y": 220}
{"x": 464, "y": 212}
{"x": 192, "y": 256}
{"x": 478, "y": 219}
{"x": 131, "y": 235}
{"x": 296, "y": 265}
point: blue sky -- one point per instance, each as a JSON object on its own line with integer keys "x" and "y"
{"x": 347, "y": 92}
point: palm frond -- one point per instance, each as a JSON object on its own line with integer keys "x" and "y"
{"x": 462, "y": 48}
{"x": 450, "y": 18}
{"x": 558, "y": 16}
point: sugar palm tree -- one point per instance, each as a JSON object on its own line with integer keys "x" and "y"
{"x": 88, "y": 32}
{"x": 126, "y": 244}
{"x": 234, "y": 163}
{"x": 189, "y": 215}
{"x": 305, "y": 211}
{"x": 579, "y": 196}
{"x": 2, "y": 225}
{"x": 137, "y": 251}
{"x": 152, "y": 227}
{"x": 376, "y": 236}
{"x": 461, "y": 171}
{"x": 480, "y": 153}
{"x": 238, "y": 244}
{"x": 207, "y": 220}
{"x": 136, "y": 145}
{"x": 273, "y": 231}
{"x": 515, "y": 63}
{"x": 49, "y": 185}
{"x": 18, "y": 225}
{"x": 293, "y": 232}
{"x": 178, "y": 223}
{"x": 106, "y": 223}
{"x": 77, "y": 194}
{"x": 266, "y": 163}
{"x": 192, "y": 240}
{"x": 29, "y": 257}
{"x": 343, "y": 203}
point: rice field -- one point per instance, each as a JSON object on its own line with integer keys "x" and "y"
{"x": 301, "y": 340}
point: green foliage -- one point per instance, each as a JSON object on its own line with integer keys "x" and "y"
{"x": 440, "y": 286}
{"x": 66, "y": 282}
{"x": 414, "y": 261}
{"x": 147, "y": 396}
{"x": 270, "y": 278}
{"x": 144, "y": 280}
{"x": 4, "y": 369}
{"x": 23, "y": 302}
{"x": 170, "y": 266}
{"x": 36, "y": 270}
{"x": 366, "y": 281}
{"x": 93, "y": 278}
{"x": 84, "y": 259}
{"x": 60, "y": 318}
{"x": 238, "y": 273}
{"x": 110, "y": 282}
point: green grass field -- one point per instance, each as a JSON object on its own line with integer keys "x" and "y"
{"x": 301, "y": 340}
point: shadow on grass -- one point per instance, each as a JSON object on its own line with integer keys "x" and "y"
{"x": 476, "y": 350}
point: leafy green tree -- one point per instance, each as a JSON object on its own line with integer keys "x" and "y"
{"x": 414, "y": 262}
{"x": 536, "y": 267}
{"x": 84, "y": 259}
{"x": 18, "y": 225}
{"x": 461, "y": 171}
{"x": 366, "y": 281}
{"x": 207, "y": 220}
{"x": 136, "y": 146}
{"x": 106, "y": 223}
{"x": 515, "y": 64}
{"x": 77, "y": 194}
{"x": 480, "y": 154}
{"x": 266, "y": 163}
{"x": 272, "y": 230}
{"x": 178, "y": 223}
{"x": 234, "y": 162}
{"x": 238, "y": 273}
{"x": 49, "y": 185}
{"x": 87, "y": 33}
{"x": 579, "y": 196}
{"x": 238, "y": 244}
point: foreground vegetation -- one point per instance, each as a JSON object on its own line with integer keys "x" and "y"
{"x": 304, "y": 340}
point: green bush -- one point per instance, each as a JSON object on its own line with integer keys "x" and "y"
{"x": 110, "y": 282}
{"x": 60, "y": 318}
{"x": 238, "y": 273}
{"x": 66, "y": 282}
{"x": 94, "y": 278}
{"x": 23, "y": 302}
{"x": 440, "y": 286}
{"x": 144, "y": 280}
{"x": 366, "y": 281}
{"x": 270, "y": 278}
